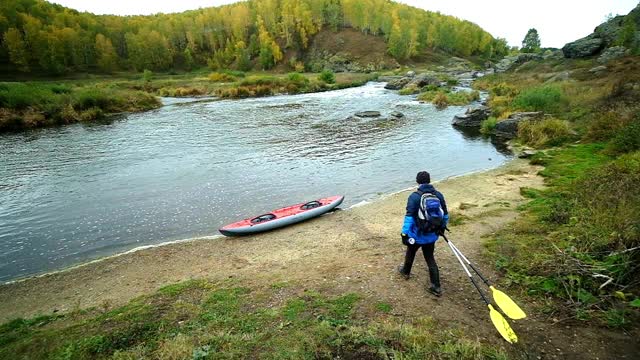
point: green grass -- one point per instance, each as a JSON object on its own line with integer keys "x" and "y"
{"x": 442, "y": 98}
{"x": 579, "y": 226}
{"x": 488, "y": 125}
{"x": 544, "y": 133}
{"x": 547, "y": 98}
{"x": 202, "y": 320}
{"x": 32, "y": 105}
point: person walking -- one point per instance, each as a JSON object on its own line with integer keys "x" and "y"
{"x": 425, "y": 220}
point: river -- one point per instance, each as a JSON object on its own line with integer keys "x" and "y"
{"x": 79, "y": 192}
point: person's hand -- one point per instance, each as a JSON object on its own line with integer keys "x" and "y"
{"x": 404, "y": 237}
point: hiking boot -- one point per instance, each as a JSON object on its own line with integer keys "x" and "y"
{"x": 402, "y": 273}
{"x": 435, "y": 290}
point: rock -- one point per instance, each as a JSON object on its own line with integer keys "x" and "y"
{"x": 612, "y": 53}
{"x": 508, "y": 62}
{"x": 397, "y": 114}
{"x": 411, "y": 73}
{"x": 555, "y": 54}
{"x": 397, "y": 84}
{"x": 423, "y": 80}
{"x": 367, "y": 114}
{"x": 508, "y": 128}
{"x": 598, "y": 70}
{"x": 584, "y": 47}
{"x": 473, "y": 117}
{"x": 561, "y": 76}
{"x": 526, "y": 154}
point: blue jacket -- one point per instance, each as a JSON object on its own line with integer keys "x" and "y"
{"x": 413, "y": 205}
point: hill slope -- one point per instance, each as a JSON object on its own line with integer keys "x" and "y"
{"x": 41, "y": 37}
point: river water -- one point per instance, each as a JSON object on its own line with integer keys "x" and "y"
{"x": 80, "y": 192}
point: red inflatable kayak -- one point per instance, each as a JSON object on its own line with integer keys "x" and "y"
{"x": 282, "y": 217}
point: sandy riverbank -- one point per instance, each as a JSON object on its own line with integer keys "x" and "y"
{"x": 318, "y": 250}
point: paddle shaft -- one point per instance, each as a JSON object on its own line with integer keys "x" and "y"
{"x": 473, "y": 281}
{"x": 469, "y": 263}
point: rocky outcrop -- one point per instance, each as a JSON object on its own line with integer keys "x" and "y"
{"x": 598, "y": 70}
{"x": 473, "y": 117}
{"x": 508, "y": 62}
{"x": 584, "y": 47}
{"x": 612, "y": 53}
{"x": 604, "y": 36}
{"x": 397, "y": 84}
{"x": 423, "y": 80}
{"x": 508, "y": 128}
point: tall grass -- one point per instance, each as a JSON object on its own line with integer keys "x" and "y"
{"x": 547, "y": 132}
{"x": 547, "y": 98}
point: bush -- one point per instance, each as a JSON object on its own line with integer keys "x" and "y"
{"x": 546, "y": 98}
{"x": 440, "y": 101}
{"x": 627, "y": 139}
{"x": 547, "y": 132}
{"x": 221, "y": 77}
{"x": 147, "y": 75}
{"x": 488, "y": 125}
{"x": 327, "y": 76}
{"x": 297, "y": 78}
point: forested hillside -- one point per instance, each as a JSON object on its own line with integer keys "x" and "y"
{"x": 40, "y": 37}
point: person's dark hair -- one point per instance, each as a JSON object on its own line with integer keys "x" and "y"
{"x": 423, "y": 177}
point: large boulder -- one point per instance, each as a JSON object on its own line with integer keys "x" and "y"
{"x": 508, "y": 62}
{"x": 473, "y": 117}
{"x": 397, "y": 84}
{"x": 508, "y": 128}
{"x": 584, "y": 47}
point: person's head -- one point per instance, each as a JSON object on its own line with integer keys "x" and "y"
{"x": 423, "y": 177}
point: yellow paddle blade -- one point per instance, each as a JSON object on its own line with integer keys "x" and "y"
{"x": 502, "y": 325}
{"x": 508, "y": 306}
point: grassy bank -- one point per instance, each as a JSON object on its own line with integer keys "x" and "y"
{"x": 32, "y": 105}
{"x": 575, "y": 249}
{"x": 37, "y": 104}
{"x": 203, "y": 320}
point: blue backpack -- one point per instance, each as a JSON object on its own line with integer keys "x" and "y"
{"x": 430, "y": 214}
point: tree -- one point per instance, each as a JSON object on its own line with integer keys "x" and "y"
{"x": 531, "y": 42}
{"x": 107, "y": 58}
{"x": 17, "y": 49}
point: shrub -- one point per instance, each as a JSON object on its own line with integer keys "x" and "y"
{"x": 147, "y": 75}
{"x": 547, "y": 132}
{"x": 221, "y": 77}
{"x": 327, "y": 76}
{"x": 546, "y": 98}
{"x": 440, "y": 101}
{"x": 502, "y": 89}
{"x": 297, "y": 78}
{"x": 627, "y": 139}
{"x": 488, "y": 125}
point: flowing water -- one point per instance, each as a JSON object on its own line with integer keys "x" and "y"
{"x": 79, "y": 192}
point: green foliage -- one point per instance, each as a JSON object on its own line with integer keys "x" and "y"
{"x": 442, "y": 98}
{"x": 40, "y": 36}
{"x": 531, "y": 42}
{"x": 488, "y": 125}
{"x": 543, "y": 133}
{"x": 627, "y": 139}
{"x": 586, "y": 218}
{"x": 221, "y": 77}
{"x": 147, "y": 75}
{"x": 327, "y": 76}
{"x": 297, "y": 78}
{"x": 31, "y": 105}
{"x": 547, "y": 98}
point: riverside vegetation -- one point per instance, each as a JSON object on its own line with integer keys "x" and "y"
{"x": 582, "y": 233}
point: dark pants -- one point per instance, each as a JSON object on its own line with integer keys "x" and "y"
{"x": 427, "y": 251}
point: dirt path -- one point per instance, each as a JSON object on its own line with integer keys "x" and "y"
{"x": 347, "y": 251}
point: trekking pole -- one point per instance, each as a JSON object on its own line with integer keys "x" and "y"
{"x": 508, "y": 306}
{"x": 497, "y": 319}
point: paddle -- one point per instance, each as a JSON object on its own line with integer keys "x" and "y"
{"x": 497, "y": 319}
{"x": 508, "y": 306}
